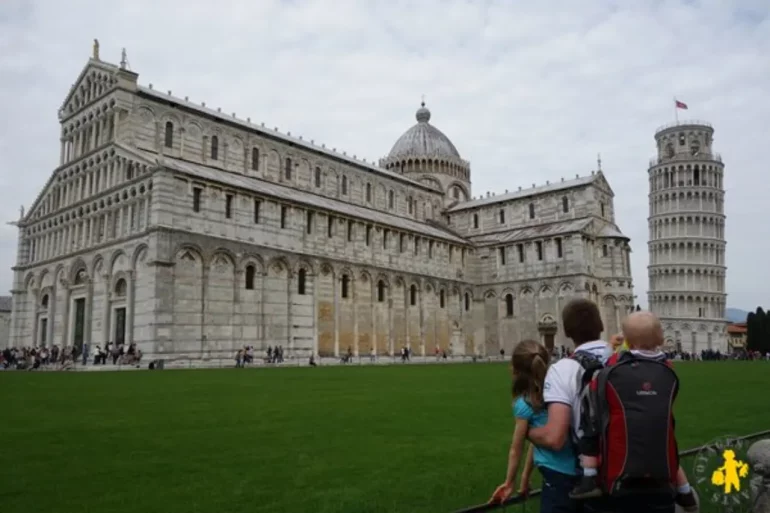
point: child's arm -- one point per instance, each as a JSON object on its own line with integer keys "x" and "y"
{"x": 514, "y": 456}
{"x": 526, "y": 474}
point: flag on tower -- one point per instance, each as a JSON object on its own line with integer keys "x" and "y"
{"x": 680, "y": 105}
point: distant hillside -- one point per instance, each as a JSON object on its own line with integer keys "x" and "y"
{"x": 736, "y": 314}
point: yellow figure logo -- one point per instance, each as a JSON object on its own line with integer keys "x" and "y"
{"x": 730, "y": 474}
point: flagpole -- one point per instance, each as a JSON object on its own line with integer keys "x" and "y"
{"x": 676, "y": 111}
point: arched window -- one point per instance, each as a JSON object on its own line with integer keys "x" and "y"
{"x": 345, "y": 285}
{"x": 345, "y": 185}
{"x": 531, "y": 210}
{"x": 169, "y": 134}
{"x": 467, "y": 301}
{"x": 380, "y": 291}
{"x": 120, "y": 288}
{"x": 255, "y": 159}
{"x": 80, "y": 277}
{"x": 44, "y": 302}
{"x": 502, "y": 216}
{"x": 287, "y": 170}
{"x": 413, "y": 295}
{"x": 250, "y": 271}
{"x": 214, "y": 147}
{"x": 509, "y": 305}
{"x": 301, "y": 282}
{"x": 441, "y": 299}
{"x": 318, "y": 177}
{"x": 391, "y": 200}
{"x": 368, "y": 193}
{"x": 456, "y": 193}
{"x": 565, "y": 204}
{"x": 475, "y": 220}
{"x": 604, "y": 250}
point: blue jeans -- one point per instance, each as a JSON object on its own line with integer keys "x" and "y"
{"x": 554, "y": 497}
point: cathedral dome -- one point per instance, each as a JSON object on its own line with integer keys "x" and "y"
{"x": 424, "y": 140}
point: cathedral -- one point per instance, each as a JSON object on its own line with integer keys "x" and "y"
{"x": 192, "y": 232}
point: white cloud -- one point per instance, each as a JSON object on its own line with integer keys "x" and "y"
{"x": 527, "y": 93}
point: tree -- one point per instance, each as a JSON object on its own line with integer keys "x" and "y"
{"x": 758, "y": 331}
{"x": 764, "y": 341}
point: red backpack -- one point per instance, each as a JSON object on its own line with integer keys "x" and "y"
{"x": 633, "y": 404}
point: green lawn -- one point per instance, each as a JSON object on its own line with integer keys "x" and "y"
{"x": 337, "y": 439}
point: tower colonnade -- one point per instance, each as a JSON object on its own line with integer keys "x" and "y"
{"x": 687, "y": 269}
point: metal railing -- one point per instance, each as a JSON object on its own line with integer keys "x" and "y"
{"x": 686, "y": 157}
{"x": 519, "y": 499}
{"x": 684, "y": 122}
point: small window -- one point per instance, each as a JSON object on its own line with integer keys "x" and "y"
{"x": 502, "y": 216}
{"x": 430, "y": 249}
{"x": 288, "y": 169}
{"x": 509, "y": 305}
{"x": 410, "y": 204}
{"x": 197, "y": 191}
{"x": 345, "y": 286}
{"x": 531, "y": 210}
{"x": 602, "y": 207}
{"x": 214, "y": 147}
{"x": 368, "y": 234}
{"x": 255, "y": 159}
{"x": 330, "y": 226}
{"x": 559, "y": 249}
{"x": 604, "y": 250}
{"x": 257, "y": 204}
{"x": 467, "y": 301}
{"x": 169, "y": 136}
{"x": 250, "y": 270}
{"x": 416, "y": 245}
{"x": 368, "y": 193}
{"x": 301, "y": 282}
{"x": 413, "y": 295}
{"x": 129, "y": 173}
{"x": 309, "y": 222}
{"x": 385, "y": 234}
{"x": 401, "y": 239}
{"x": 441, "y": 299}
{"x": 350, "y": 231}
{"x": 228, "y": 206}
{"x": 456, "y": 193}
{"x": 681, "y": 140}
{"x": 501, "y": 252}
{"x": 344, "y": 185}
{"x": 565, "y": 204}
{"x": 391, "y": 200}
{"x": 284, "y": 212}
{"x": 475, "y": 220}
{"x": 318, "y": 177}
{"x": 380, "y": 291}
{"x": 120, "y": 288}
{"x": 520, "y": 249}
{"x": 539, "y": 246}
{"x": 44, "y": 302}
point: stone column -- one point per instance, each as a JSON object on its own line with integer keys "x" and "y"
{"x": 354, "y": 293}
{"x": 87, "y": 315}
{"x": 204, "y": 297}
{"x": 107, "y": 311}
{"x": 130, "y": 309}
{"x": 262, "y": 323}
{"x": 314, "y": 312}
{"x": 422, "y": 319}
{"x": 32, "y": 304}
{"x": 289, "y": 311}
{"x": 182, "y": 131}
{"x": 51, "y": 314}
{"x": 61, "y": 151}
{"x": 335, "y": 295}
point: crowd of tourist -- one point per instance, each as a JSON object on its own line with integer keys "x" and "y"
{"x": 56, "y": 358}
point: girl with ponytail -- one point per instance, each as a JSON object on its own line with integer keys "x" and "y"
{"x": 530, "y": 364}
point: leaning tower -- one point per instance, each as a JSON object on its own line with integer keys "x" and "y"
{"x": 687, "y": 238}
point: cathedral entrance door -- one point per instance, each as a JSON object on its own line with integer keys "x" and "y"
{"x": 78, "y": 330}
{"x": 547, "y": 328}
{"x": 120, "y": 326}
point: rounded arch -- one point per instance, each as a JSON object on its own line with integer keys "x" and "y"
{"x": 97, "y": 261}
{"x": 365, "y": 276}
{"x": 547, "y": 319}
{"x": 327, "y": 269}
{"x": 219, "y": 252}
{"x": 139, "y": 253}
{"x": 251, "y": 259}
{"x": 490, "y": 294}
{"x": 29, "y": 280}
{"x": 189, "y": 252}
{"x": 384, "y": 278}
{"x": 461, "y": 186}
{"x": 306, "y": 264}
{"x": 508, "y": 290}
{"x": 278, "y": 264}
{"x": 77, "y": 265}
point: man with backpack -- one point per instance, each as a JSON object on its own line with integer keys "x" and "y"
{"x": 564, "y": 383}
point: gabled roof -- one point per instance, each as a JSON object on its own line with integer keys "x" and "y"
{"x": 611, "y": 231}
{"x": 534, "y": 191}
{"x": 533, "y": 232}
{"x": 281, "y": 192}
{"x": 278, "y": 136}
{"x": 90, "y": 65}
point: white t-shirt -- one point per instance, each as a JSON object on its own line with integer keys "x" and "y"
{"x": 562, "y": 381}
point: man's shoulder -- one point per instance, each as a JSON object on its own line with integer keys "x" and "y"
{"x": 565, "y": 366}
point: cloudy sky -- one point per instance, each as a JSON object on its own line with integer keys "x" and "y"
{"x": 527, "y": 91}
